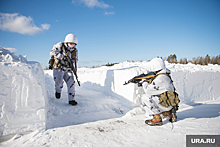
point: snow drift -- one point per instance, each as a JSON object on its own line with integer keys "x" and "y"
{"x": 22, "y": 94}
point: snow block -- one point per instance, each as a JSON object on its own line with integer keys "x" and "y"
{"x": 22, "y": 93}
{"x": 192, "y": 87}
{"x": 197, "y": 86}
{"x": 193, "y": 83}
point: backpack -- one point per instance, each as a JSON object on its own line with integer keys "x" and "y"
{"x": 168, "y": 98}
{"x": 55, "y": 63}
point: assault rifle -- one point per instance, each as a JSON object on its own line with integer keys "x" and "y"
{"x": 71, "y": 65}
{"x": 138, "y": 79}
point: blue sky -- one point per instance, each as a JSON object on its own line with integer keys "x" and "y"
{"x": 112, "y": 30}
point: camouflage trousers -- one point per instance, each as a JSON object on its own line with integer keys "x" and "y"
{"x": 152, "y": 107}
{"x": 61, "y": 75}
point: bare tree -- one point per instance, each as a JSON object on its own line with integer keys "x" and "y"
{"x": 181, "y": 61}
{"x": 194, "y": 60}
{"x": 202, "y": 61}
{"x": 172, "y": 58}
{"x": 169, "y": 58}
{"x": 185, "y": 61}
{"x": 213, "y": 60}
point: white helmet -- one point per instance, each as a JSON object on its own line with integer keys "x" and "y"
{"x": 71, "y": 38}
{"x": 157, "y": 64}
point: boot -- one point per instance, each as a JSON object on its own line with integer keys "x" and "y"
{"x": 156, "y": 121}
{"x": 167, "y": 113}
{"x": 73, "y": 102}
{"x": 58, "y": 95}
{"x": 173, "y": 118}
{"x": 171, "y": 114}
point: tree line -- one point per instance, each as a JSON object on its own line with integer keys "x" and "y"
{"x": 195, "y": 60}
{"x": 173, "y": 59}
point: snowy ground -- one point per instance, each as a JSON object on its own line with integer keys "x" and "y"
{"x": 129, "y": 131}
{"x": 93, "y": 105}
{"x": 105, "y": 114}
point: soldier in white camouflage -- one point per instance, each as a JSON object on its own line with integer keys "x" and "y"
{"x": 61, "y": 68}
{"x": 151, "y": 100}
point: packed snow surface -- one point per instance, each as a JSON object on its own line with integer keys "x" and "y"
{"x": 107, "y": 113}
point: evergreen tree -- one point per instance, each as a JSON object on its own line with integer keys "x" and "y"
{"x": 173, "y": 58}
{"x": 207, "y": 59}
{"x": 218, "y": 59}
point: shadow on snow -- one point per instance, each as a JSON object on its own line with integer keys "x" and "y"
{"x": 200, "y": 111}
{"x": 95, "y": 102}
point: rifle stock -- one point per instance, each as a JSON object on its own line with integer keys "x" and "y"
{"x": 137, "y": 79}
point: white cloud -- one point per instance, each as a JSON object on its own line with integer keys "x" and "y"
{"x": 92, "y": 3}
{"x": 11, "y": 49}
{"x": 45, "y": 26}
{"x": 109, "y": 13}
{"x": 20, "y": 24}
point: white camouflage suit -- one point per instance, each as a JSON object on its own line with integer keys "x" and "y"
{"x": 64, "y": 73}
{"x": 150, "y": 100}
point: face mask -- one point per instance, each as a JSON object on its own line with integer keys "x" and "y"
{"x": 71, "y": 46}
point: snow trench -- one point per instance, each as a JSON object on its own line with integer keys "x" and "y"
{"x": 27, "y": 100}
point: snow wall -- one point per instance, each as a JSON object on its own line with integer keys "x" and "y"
{"x": 193, "y": 83}
{"x": 22, "y": 93}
